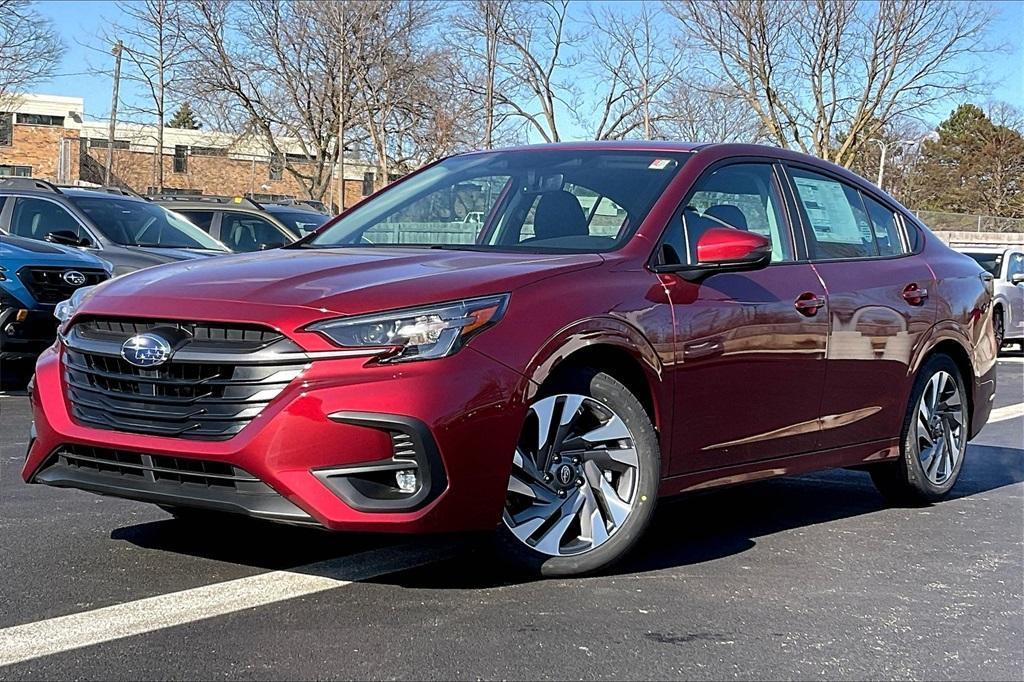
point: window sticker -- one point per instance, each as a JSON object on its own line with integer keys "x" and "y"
{"x": 659, "y": 164}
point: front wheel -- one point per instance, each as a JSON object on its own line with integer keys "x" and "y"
{"x": 934, "y": 441}
{"x": 584, "y": 477}
{"x": 999, "y": 327}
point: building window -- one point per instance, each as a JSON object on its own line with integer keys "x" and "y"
{"x": 6, "y": 129}
{"x": 180, "y": 158}
{"x": 209, "y": 151}
{"x": 103, "y": 143}
{"x": 367, "y": 184}
{"x": 276, "y": 167}
{"x": 41, "y": 120}
{"x": 16, "y": 171}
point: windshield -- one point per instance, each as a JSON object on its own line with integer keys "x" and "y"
{"x": 580, "y": 201}
{"x": 301, "y": 223}
{"x": 989, "y": 261}
{"x": 140, "y": 223}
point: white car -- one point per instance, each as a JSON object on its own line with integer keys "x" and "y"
{"x": 1007, "y": 267}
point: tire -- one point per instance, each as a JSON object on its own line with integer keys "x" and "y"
{"x": 999, "y": 327}
{"x": 917, "y": 477}
{"x": 580, "y": 498}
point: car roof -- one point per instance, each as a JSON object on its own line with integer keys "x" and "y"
{"x": 96, "y": 193}
{"x": 289, "y": 208}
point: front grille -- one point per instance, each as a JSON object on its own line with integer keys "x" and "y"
{"x": 206, "y": 335}
{"x": 217, "y": 382}
{"x": 47, "y": 285}
{"x": 163, "y": 469}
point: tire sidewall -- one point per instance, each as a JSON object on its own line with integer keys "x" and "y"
{"x": 913, "y": 470}
{"x": 605, "y": 389}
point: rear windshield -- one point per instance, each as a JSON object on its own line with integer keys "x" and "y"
{"x": 140, "y": 223}
{"x": 990, "y": 261}
{"x": 564, "y": 201}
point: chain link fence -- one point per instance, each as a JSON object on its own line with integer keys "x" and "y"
{"x": 965, "y": 222}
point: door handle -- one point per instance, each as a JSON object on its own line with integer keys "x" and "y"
{"x": 914, "y": 295}
{"x": 808, "y": 304}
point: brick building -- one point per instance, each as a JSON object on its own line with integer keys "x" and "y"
{"x": 46, "y": 136}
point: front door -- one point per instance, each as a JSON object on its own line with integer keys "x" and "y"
{"x": 880, "y": 306}
{"x": 750, "y": 361}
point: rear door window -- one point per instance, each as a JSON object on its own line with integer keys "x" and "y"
{"x": 834, "y": 212}
{"x": 887, "y": 232}
{"x": 246, "y": 232}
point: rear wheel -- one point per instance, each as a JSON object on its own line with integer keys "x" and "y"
{"x": 584, "y": 477}
{"x": 934, "y": 440}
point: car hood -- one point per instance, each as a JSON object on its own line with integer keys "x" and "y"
{"x": 22, "y": 251}
{"x": 341, "y": 281}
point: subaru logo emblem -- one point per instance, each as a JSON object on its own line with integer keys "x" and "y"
{"x": 74, "y": 278}
{"x": 146, "y": 350}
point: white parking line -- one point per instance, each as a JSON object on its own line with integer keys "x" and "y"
{"x": 33, "y": 640}
{"x": 1001, "y": 414}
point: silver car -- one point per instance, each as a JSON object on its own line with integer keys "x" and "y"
{"x": 1007, "y": 267}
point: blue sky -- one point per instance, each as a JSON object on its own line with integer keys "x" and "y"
{"x": 81, "y": 21}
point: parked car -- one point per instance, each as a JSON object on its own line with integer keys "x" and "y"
{"x": 298, "y": 218}
{"x": 750, "y": 312}
{"x": 1007, "y": 269}
{"x": 34, "y": 277}
{"x": 119, "y": 227}
{"x": 240, "y": 223}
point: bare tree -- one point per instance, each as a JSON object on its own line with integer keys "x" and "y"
{"x": 627, "y": 55}
{"x": 696, "y": 110}
{"x": 153, "y": 50}
{"x": 476, "y": 42}
{"x": 273, "y": 70}
{"x": 541, "y": 55}
{"x": 812, "y": 68}
{"x": 30, "y": 49}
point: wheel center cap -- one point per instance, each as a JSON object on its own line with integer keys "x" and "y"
{"x": 565, "y": 474}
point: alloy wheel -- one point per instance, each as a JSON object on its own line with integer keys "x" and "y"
{"x": 940, "y": 433}
{"x": 574, "y": 477}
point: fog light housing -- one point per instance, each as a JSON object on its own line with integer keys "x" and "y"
{"x": 406, "y": 480}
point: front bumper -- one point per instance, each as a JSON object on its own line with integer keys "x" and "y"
{"x": 338, "y": 416}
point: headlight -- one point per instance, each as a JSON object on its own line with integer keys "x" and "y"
{"x": 66, "y": 309}
{"x": 416, "y": 333}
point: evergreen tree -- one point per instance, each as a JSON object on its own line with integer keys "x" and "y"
{"x": 974, "y": 166}
{"x": 184, "y": 118}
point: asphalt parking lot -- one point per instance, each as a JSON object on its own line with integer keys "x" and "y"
{"x": 802, "y": 577}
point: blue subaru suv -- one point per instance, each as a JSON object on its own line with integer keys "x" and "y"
{"x": 34, "y": 277}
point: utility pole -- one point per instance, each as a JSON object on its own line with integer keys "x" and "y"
{"x": 109, "y": 170}
{"x": 341, "y": 115}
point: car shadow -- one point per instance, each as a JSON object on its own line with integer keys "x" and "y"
{"x": 687, "y": 530}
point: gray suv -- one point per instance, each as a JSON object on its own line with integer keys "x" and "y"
{"x": 121, "y": 228}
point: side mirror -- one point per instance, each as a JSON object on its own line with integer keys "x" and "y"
{"x": 729, "y": 248}
{"x": 1017, "y": 278}
{"x": 67, "y": 238}
{"x": 724, "y": 249}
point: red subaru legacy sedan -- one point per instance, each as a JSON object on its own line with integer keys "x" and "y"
{"x": 544, "y": 340}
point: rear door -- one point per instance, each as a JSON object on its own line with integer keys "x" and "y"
{"x": 879, "y": 300}
{"x": 750, "y": 361}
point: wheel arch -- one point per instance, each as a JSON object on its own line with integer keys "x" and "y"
{"x": 955, "y": 349}
{"x": 610, "y": 345}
